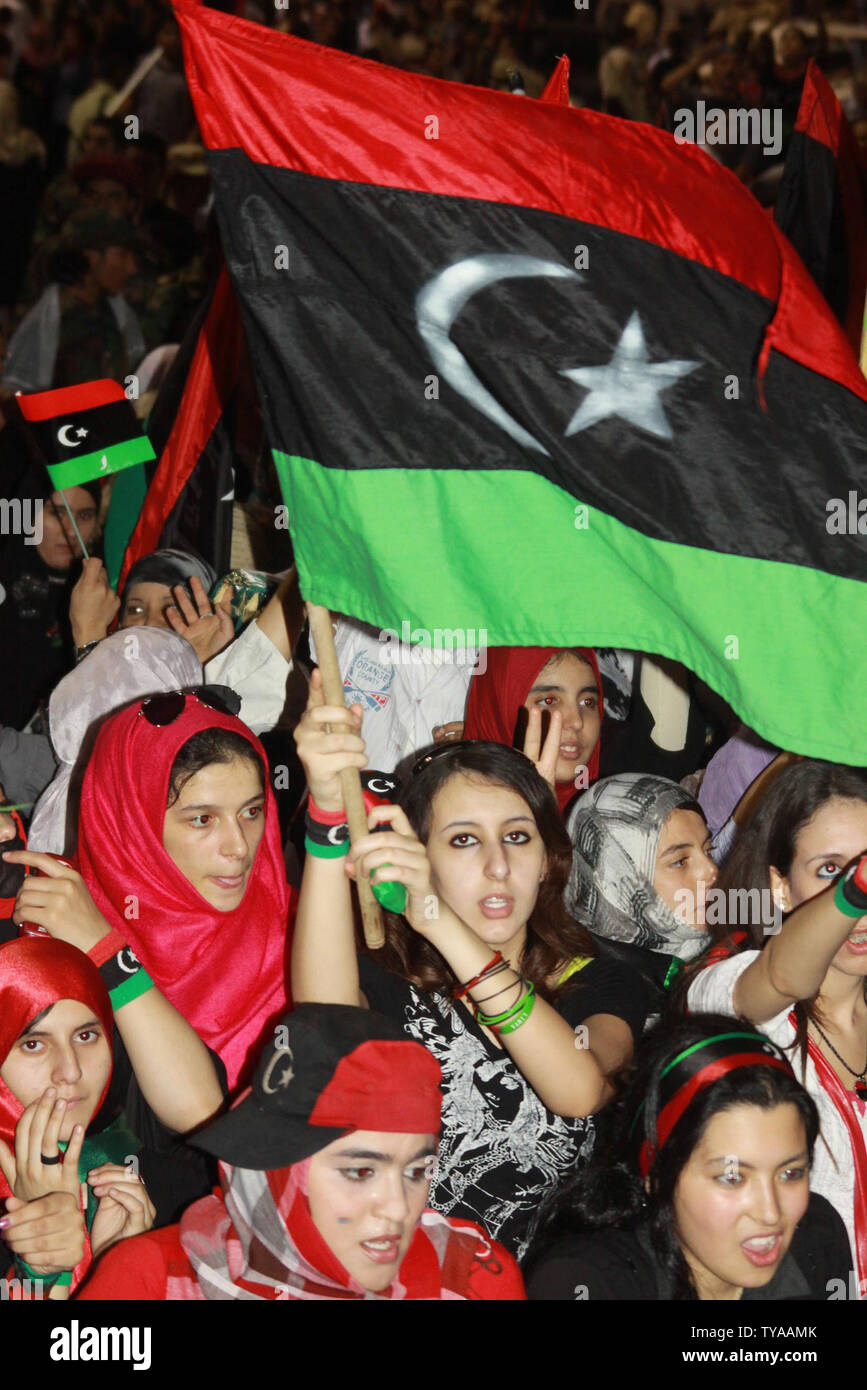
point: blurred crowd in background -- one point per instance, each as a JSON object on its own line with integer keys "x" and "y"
{"x": 100, "y": 207}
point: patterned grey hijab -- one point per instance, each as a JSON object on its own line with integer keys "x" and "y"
{"x": 615, "y": 828}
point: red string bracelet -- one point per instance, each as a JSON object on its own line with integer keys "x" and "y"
{"x": 465, "y": 989}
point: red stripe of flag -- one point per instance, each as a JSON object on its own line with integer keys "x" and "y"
{"x": 69, "y": 400}
{"x": 623, "y": 175}
{"x": 821, "y": 118}
{"x": 212, "y": 376}
{"x": 557, "y": 86}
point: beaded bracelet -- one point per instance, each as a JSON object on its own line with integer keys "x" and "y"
{"x": 850, "y": 894}
{"x": 515, "y": 1016}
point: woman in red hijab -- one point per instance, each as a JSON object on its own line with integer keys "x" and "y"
{"x": 324, "y": 1184}
{"x": 564, "y": 681}
{"x": 55, "y": 1069}
{"x": 180, "y": 847}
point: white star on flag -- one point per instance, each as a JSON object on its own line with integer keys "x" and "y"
{"x": 629, "y": 385}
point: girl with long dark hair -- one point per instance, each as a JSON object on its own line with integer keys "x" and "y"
{"x": 702, "y": 1190}
{"x": 485, "y": 967}
{"x": 806, "y": 983}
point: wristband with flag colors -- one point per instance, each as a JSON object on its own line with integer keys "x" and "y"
{"x": 124, "y": 975}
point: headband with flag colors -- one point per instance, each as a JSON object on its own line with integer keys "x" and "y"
{"x": 85, "y": 432}
{"x": 690, "y": 1073}
{"x": 540, "y": 371}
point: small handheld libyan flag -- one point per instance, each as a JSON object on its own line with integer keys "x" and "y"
{"x": 84, "y": 432}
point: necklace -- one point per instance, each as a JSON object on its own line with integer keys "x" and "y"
{"x": 860, "y": 1076}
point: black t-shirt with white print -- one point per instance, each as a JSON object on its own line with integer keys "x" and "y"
{"x": 501, "y": 1150}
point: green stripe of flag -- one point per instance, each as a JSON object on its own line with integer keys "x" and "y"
{"x": 517, "y": 557}
{"x": 101, "y": 463}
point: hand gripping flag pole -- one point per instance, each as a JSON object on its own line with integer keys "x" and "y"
{"x": 350, "y": 779}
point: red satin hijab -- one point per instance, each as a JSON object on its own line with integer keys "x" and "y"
{"x": 35, "y": 972}
{"x": 499, "y": 693}
{"x": 224, "y": 971}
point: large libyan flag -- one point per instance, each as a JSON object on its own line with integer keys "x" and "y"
{"x": 542, "y": 373}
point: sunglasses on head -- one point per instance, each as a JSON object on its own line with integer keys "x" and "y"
{"x": 442, "y": 750}
{"x": 163, "y": 709}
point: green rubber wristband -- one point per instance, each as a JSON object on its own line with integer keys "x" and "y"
{"x": 496, "y": 1020}
{"x": 527, "y": 1006}
{"x": 390, "y": 895}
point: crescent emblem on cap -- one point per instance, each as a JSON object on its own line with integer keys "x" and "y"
{"x": 280, "y": 1078}
{"x": 379, "y": 786}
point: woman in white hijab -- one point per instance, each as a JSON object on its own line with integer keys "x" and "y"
{"x": 124, "y": 667}
{"x": 641, "y": 873}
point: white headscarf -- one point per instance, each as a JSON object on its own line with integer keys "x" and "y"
{"x": 124, "y": 667}
{"x": 615, "y": 828}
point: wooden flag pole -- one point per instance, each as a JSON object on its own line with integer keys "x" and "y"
{"x": 332, "y": 686}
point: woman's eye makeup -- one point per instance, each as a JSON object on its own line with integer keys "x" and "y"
{"x": 88, "y": 1035}
{"x": 356, "y": 1174}
{"x": 512, "y": 837}
{"x": 828, "y": 870}
{"x": 795, "y": 1174}
{"x": 729, "y": 1179}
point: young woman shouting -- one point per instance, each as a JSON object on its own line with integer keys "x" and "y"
{"x": 485, "y": 967}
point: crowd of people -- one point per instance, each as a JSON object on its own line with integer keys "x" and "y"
{"x": 608, "y": 1049}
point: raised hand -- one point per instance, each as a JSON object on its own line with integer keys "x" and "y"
{"x": 398, "y": 856}
{"x": 323, "y": 754}
{"x": 58, "y": 899}
{"x": 208, "y": 628}
{"x": 92, "y": 603}
{"x": 543, "y": 756}
{"x": 36, "y": 1137}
